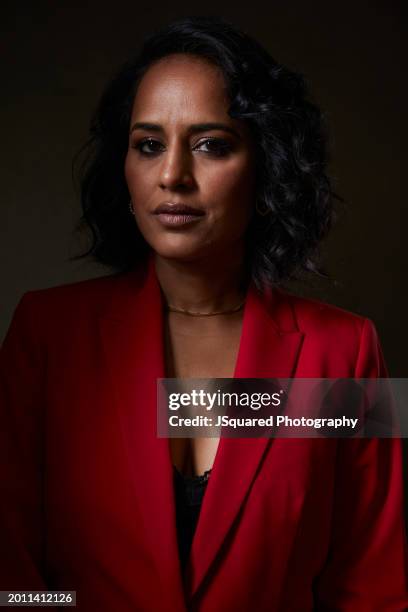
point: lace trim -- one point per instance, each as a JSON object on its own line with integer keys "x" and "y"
{"x": 194, "y": 480}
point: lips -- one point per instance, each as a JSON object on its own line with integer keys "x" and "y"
{"x": 173, "y": 215}
{"x": 169, "y": 208}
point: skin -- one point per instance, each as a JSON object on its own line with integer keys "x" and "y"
{"x": 199, "y": 266}
{"x": 184, "y": 165}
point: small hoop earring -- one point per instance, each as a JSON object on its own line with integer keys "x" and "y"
{"x": 132, "y": 212}
{"x": 262, "y": 211}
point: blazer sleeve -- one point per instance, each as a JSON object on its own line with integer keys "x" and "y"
{"x": 22, "y": 528}
{"x": 366, "y": 570}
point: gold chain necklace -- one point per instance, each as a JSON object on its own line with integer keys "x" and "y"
{"x": 205, "y": 314}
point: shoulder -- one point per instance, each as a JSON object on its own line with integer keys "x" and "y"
{"x": 90, "y": 295}
{"x": 321, "y": 320}
{"x": 309, "y": 314}
{"x": 89, "y": 290}
{"x": 69, "y": 308}
{"x": 348, "y": 338}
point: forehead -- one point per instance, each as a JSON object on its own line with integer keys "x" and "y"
{"x": 181, "y": 86}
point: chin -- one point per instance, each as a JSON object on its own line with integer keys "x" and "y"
{"x": 179, "y": 249}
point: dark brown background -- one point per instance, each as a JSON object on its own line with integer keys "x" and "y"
{"x": 57, "y": 56}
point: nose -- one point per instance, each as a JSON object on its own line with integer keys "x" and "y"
{"x": 177, "y": 169}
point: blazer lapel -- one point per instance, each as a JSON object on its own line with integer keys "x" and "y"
{"x": 269, "y": 347}
{"x": 132, "y": 338}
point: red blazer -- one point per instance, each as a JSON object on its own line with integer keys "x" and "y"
{"x": 87, "y": 492}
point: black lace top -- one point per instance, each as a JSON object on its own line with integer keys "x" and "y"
{"x": 189, "y": 493}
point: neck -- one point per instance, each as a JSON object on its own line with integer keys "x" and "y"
{"x": 205, "y": 285}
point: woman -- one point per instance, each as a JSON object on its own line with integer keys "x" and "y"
{"x": 205, "y": 187}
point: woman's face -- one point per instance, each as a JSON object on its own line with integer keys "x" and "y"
{"x": 185, "y": 151}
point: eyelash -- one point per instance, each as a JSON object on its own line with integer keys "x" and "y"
{"x": 222, "y": 149}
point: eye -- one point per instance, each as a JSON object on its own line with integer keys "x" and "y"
{"x": 149, "y": 147}
{"x": 218, "y": 147}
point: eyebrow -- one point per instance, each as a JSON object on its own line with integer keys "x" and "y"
{"x": 194, "y": 128}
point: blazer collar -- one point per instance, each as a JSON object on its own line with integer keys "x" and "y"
{"x": 132, "y": 329}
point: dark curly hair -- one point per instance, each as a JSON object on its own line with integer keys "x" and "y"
{"x": 294, "y": 208}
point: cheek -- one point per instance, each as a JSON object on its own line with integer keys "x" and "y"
{"x": 130, "y": 176}
{"x": 128, "y": 170}
{"x": 137, "y": 180}
{"x": 138, "y": 185}
{"x": 233, "y": 188}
